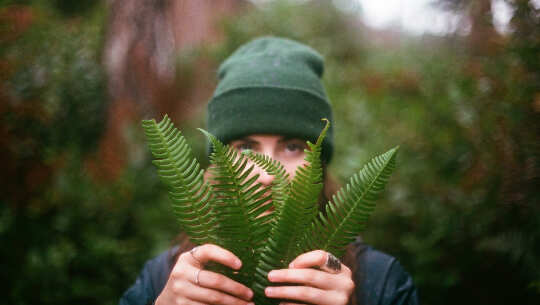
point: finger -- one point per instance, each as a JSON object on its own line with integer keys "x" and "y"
{"x": 216, "y": 281}
{"x": 211, "y": 296}
{"x": 316, "y": 258}
{"x": 208, "y": 252}
{"x": 308, "y": 277}
{"x": 305, "y": 294}
{"x": 204, "y": 278}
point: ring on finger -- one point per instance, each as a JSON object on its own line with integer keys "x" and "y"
{"x": 332, "y": 264}
{"x": 197, "y": 282}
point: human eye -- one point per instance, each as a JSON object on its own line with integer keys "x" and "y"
{"x": 242, "y": 146}
{"x": 295, "y": 147}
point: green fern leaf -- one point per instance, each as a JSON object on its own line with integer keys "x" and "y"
{"x": 296, "y": 213}
{"x": 349, "y": 210}
{"x": 239, "y": 204}
{"x": 182, "y": 175}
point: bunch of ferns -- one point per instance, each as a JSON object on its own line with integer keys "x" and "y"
{"x": 229, "y": 209}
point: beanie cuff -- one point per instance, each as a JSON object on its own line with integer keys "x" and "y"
{"x": 270, "y": 110}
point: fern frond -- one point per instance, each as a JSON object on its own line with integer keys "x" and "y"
{"x": 349, "y": 210}
{"x": 230, "y": 211}
{"x": 296, "y": 213}
{"x": 182, "y": 175}
{"x": 305, "y": 190}
{"x": 238, "y": 205}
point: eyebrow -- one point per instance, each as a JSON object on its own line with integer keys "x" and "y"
{"x": 247, "y": 140}
{"x": 287, "y": 138}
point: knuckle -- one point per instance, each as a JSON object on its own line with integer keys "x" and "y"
{"x": 182, "y": 257}
{"x": 350, "y": 285}
{"x": 176, "y": 275}
{"x": 201, "y": 250}
{"x": 321, "y": 255}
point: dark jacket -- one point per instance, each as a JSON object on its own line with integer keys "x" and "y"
{"x": 379, "y": 279}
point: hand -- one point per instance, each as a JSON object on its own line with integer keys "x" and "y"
{"x": 189, "y": 283}
{"x": 315, "y": 286}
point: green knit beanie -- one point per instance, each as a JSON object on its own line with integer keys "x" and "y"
{"x": 271, "y": 86}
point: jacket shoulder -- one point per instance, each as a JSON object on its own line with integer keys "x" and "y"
{"x": 151, "y": 280}
{"x": 382, "y": 279}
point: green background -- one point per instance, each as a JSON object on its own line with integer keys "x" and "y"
{"x": 461, "y": 212}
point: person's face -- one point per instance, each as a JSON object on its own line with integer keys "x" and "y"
{"x": 289, "y": 151}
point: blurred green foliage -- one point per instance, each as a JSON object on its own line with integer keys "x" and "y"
{"x": 66, "y": 237}
{"x": 462, "y": 212}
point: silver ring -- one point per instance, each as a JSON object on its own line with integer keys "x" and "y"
{"x": 192, "y": 252}
{"x": 332, "y": 264}
{"x": 197, "y": 277}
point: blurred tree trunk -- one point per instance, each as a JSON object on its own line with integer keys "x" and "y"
{"x": 143, "y": 42}
{"x": 483, "y": 39}
{"x": 477, "y": 18}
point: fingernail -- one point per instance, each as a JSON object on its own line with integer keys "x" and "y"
{"x": 250, "y": 294}
{"x": 291, "y": 265}
{"x": 269, "y": 291}
{"x": 251, "y": 303}
{"x": 238, "y": 264}
{"x": 271, "y": 275}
